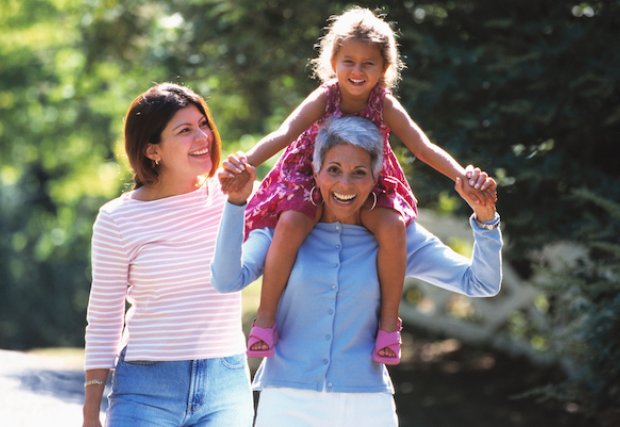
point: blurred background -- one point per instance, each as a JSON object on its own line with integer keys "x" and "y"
{"x": 529, "y": 90}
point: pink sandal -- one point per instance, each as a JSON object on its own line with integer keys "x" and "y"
{"x": 389, "y": 340}
{"x": 267, "y": 335}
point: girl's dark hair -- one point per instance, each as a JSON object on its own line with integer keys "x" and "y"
{"x": 148, "y": 115}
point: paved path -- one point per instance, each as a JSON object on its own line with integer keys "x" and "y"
{"x": 40, "y": 391}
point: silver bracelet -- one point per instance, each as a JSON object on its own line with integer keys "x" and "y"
{"x": 488, "y": 225}
{"x": 93, "y": 382}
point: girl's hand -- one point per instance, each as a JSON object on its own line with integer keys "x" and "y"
{"x": 484, "y": 210}
{"x": 234, "y": 166}
{"x": 233, "y": 176}
{"x": 478, "y": 186}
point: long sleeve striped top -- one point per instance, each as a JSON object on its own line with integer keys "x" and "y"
{"x": 154, "y": 257}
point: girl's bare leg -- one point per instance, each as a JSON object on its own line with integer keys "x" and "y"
{"x": 290, "y": 232}
{"x": 388, "y": 226}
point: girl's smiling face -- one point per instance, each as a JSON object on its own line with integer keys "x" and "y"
{"x": 359, "y": 66}
{"x": 345, "y": 181}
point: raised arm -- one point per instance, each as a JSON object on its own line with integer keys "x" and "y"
{"x": 309, "y": 111}
{"x": 434, "y": 262}
{"x": 236, "y": 264}
{"x": 403, "y": 126}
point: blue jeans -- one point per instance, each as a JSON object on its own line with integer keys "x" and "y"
{"x": 207, "y": 392}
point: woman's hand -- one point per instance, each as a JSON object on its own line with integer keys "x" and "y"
{"x": 484, "y": 209}
{"x": 236, "y": 178}
{"x": 478, "y": 187}
{"x": 93, "y": 393}
{"x": 237, "y": 168}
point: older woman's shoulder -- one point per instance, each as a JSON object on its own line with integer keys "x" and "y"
{"x": 417, "y": 234}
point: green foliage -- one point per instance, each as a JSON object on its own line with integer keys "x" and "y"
{"x": 530, "y": 91}
{"x": 586, "y": 315}
{"x": 254, "y": 53}
{"x": 54, "y": 175}
{"x": 527, "y": 90}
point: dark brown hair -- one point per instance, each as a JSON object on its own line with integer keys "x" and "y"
{"x": 147, "y": 117}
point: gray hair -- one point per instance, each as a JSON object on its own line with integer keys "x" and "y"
{"x": 352, "y": 130}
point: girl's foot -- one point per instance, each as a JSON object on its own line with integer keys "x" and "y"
{"x": 387, "y": 346}
{"x": 261, "y": 341}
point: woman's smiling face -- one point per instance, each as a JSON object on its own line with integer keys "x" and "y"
{"x": 185, "y": 147}
{"x": 345, "y": 181}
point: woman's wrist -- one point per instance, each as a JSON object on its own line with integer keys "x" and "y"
{"x": 487, "y": 222}
{"x": 237, "y": 202}
{"x": 91, "y": 407}
{"x": 485, "y": 213}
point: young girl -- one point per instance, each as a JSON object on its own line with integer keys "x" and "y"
{"x": 358, "y": 63}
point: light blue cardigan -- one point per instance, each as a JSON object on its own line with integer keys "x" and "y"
{"x": 328, "y": 315}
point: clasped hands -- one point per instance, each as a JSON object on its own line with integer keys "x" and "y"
{"x": 237, "y": 177}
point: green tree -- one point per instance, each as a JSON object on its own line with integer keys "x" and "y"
{"x": 586, "y": 314}
{"x": 527, "y": 90}
{"x": 61, "y": 116}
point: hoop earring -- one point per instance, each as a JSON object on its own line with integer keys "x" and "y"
{"x": 312, "y": 195}
{"x": 374, "y": 202}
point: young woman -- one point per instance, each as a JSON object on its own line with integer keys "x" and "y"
{"x": 178, "y": 352}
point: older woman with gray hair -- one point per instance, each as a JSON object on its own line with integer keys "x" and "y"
{"x": 321, "y": 373}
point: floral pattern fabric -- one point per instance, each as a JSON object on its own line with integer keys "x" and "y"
{"x": 290, "y": 184}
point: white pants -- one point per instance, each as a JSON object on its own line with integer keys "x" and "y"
{"x": 287, "y": 407}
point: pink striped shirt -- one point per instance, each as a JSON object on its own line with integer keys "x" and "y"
{"x": 155, "y": 255}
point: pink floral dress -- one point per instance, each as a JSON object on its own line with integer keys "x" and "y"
{"x": 290, "y": 184}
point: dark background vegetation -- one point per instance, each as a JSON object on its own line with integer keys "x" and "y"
{"x": 526, "y": 89}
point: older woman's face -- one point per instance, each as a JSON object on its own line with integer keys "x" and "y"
{"x": 345, "y": 181}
